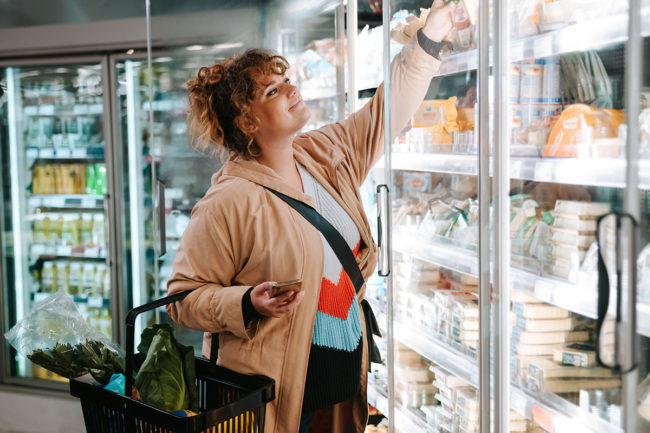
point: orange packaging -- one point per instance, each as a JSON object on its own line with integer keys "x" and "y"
{"x": 584, "y": 127}
{"x": 434, "y": 112}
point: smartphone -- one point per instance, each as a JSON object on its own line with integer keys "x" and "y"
{"x": 286, "y": 286}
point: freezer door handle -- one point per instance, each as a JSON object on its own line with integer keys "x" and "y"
{"x": 383, "y": 244}
{"x": 162, "y": 230}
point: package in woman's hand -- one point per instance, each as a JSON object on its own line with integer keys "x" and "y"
{"x": 55, "y": 336}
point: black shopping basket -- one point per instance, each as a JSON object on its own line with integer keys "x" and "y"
{"x": 229, "y": 402}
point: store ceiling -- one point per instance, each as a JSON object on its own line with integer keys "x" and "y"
{"x": 26, "y": 13}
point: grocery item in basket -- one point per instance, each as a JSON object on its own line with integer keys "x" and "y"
{"x": 55, "y": 336}
{"x": 166, "y": 379}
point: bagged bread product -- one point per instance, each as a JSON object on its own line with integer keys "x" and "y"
{"x": 579, "y": 355}
{"x": 539, "y": 311}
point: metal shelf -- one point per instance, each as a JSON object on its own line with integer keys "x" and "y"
{"x": 578, "y": 298}
{"x": 59, "y": 110}
{"x": 92, "y": 301}
{"x": 67, "y": 201}
{"x": 437, "y": 351}
{"x": 38, "y": 250}
{"x": 50, "y": 153}
{"x": 606, "y": 172}
{"x": 404, "y": 420}
{"x": 583, "y": 36}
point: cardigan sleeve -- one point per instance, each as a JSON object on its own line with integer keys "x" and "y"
{"x": 205, "y": 263}
{"x": 360, "y": 137}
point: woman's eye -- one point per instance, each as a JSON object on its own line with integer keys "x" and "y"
{"x": 287, "y": 80}
{"x": 272, "y": 92}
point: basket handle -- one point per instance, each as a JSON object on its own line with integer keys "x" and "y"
{"x": 130, "y": 331}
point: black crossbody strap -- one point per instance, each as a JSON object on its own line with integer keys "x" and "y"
{"x": 333, "y": 237}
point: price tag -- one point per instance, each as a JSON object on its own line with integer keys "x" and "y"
{"x": 543, "y": 290}
{"x": 46, "y": 153}
{"x": 63, "y": 251}
{"x": 63, "y": 153}
{"x": 544, "y": 171}
{"x": 543, "y": 46}
{"x": 88, "y": 202}
{"x": 38, "y": 249}
{"x": 95, "y": 301}
{"x": 92, "y": 252}
{"x": 31, "y": 153}
{"x": 95, "y": 109}
{"x": 39, "y": 297}
{"x": 79, "y": 153}
{"x": 515, "y": 169}
{"x": 46, "y": 110}
{"x": 543, "y": 418}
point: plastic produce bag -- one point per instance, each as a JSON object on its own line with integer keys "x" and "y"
{"x": 57, "y": 337}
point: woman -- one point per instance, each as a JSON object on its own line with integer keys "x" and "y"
{"x": 242, "y": 237}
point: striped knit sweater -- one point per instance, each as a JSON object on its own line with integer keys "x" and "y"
{"x": 334, "y": 370}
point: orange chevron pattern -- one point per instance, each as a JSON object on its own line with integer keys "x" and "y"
{"x": 335, "y": 299}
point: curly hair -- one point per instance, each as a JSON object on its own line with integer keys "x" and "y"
{"x": 221, "y": 94}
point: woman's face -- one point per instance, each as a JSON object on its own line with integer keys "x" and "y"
{"x": 279, "y": 108}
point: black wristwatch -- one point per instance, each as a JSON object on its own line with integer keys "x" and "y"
{"x": 431, "y": 47}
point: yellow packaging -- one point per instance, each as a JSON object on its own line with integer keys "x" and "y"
{"x": 434, "y": 112}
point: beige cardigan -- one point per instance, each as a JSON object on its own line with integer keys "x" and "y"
{"x": 241, "y": 235}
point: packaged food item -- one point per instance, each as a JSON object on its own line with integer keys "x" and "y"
{"x": 417, "y": 371}
{"x": 581, "y": 208}
{"x": 579, "y": 355}
{"x": 551, "y": 81}
{"x": 88, "y": 279}
{"x": 70, "y": 230}
{"x": 515, "y": 82}
{"x": 525, "y": 337}
{"x": 532, "y": 81}
{"x": 534, "y": 349}
{"x": 581, "y": 224}
{"x": 63, "y": 276}
{"x": 545, "y": 325}
{"x": 573, "y": 237}
{"x": 580, "y": 127}
{"x": 41, "y": 228}
{"x": 543, "y": 369}
{"x": 86, "y": 234}
{"x": 537, "y": 311}
{"x": 564, "y": 386}
{"x": 98, "y": 231}
{"x": 75, "y": 278}
{"x": 48, "y": 277}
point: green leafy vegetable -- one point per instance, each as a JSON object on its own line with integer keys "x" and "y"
{"x": 71, "y": 361}
{"x": 166, "y": 379}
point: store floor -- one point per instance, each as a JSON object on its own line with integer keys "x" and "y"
{"x": 22, "y": 412}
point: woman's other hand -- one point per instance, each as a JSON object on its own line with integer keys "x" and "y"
{"x": 274, "y": 307}
{"x": 439, "y": 21}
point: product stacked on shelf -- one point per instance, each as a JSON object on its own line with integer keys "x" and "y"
{"x": 66, "y": 183}
{"x": 554, "y": 351}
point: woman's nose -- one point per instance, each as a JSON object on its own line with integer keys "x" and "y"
{"x": 291, "y": 89}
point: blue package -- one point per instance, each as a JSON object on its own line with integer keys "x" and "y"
{"x": 116, "y": 384}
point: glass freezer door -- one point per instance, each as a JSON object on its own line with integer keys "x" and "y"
{"x": 56, "y": 213}
{"x": 436, "y": 265}
{"x": 162, "y": 177}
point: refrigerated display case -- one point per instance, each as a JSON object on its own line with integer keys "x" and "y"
{"x": 57, "y": 221}
{"x": 492, "y": 236}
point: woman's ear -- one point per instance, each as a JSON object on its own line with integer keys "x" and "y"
{"x": 246, "y": 125}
